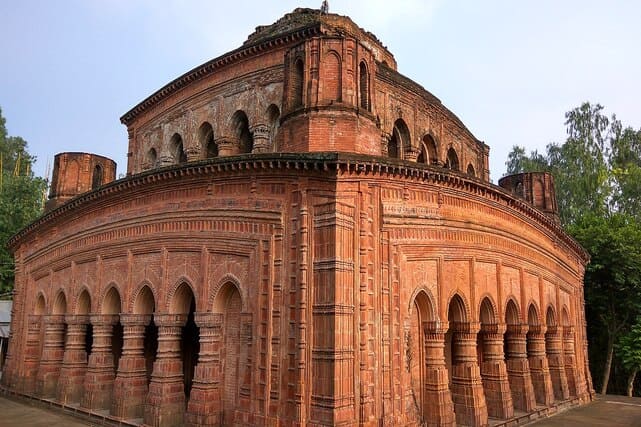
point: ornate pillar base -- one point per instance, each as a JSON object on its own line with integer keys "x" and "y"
{"x": 165, "y": 405}
{"x": 205, "y": 402}
{"x": 538, "y": 364}
{"x": 439, "y": 407}
{"x": 555, "y": 363}
{"x": 496, "y": 385}
{"x": 467, "y": 387}
{"x": 518, "y": 371}
{"x": 52, "y": 354}
{"x": 74, "y": 363}
{"x": 130, "y": 385}
{"x": 100, "y": 376}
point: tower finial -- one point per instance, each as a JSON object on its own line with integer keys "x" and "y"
{"x": 324, "y": 7}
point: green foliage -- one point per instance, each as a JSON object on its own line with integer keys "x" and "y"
{"x": 597, "y": 175}
{"x": 629, "y": 347}
{"x": 21, "y": 196}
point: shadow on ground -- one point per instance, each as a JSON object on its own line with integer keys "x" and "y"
{"x": 605, "y": 411}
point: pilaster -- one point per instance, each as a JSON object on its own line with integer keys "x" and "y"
{"x": 538, "y": 363}
{"x": 496, "y": 384}
{"x": 438, "y": 408}
{"x": 74, "y": 362}
{"x": 554, "y": 348}
{"x": 518, "y": 368}
{"x": 52, "y": 353}
{"x": 99, "y": 380}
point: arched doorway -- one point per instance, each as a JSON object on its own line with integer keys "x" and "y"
{"x": 554, "y": 351}
{"x": 399, "y": 141}
{"x": 228, "y": 302}
{"x": 537, "y": 359}
{"x": 184, "y": 303}
{"x": 451, "y": 162}
{"x": 177, "y": 149}
{"x": 492, "y": 363}
{"x": 244, "y": 137}
{"x": 462, "y": 362}
{"x": 420, "y": 314}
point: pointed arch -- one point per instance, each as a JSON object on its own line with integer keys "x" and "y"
{"x": 512, "y": 316}
{"x": 206, "y": 140}
{"x": 363, "y": 86}
{"x": 144, "y": 300}
{"x": 273, "y": 120}
{"x": 83, "y": 302}
{"x": 177, "y": 150}
{"x": 111, "y": 302}
{"x": 565, "y": 316}
{"x": 59, "y": 303}
{"x": 240, "y": 128}
{"x": 298, "y": 83}
{"x": 218, "y": 293}
{"x": 488, "y": 313}
{"x": 423, "y": 301}
{"x": 533, "y": 318}
{"x": 452, "y": 161}
{"x": 470, "y": 170}
{"x": 400, "y": 140}
{"x": 40, "y": 306}
{"x": 152, "y": 158}
{"x": 332, "y": 81}
{"x": 96, "y": 177}
{"x": 181, "y": 298}
{"x": 456, "y": 309}
{"x": 550, "y": 316}
{"x": 428, "y": 151}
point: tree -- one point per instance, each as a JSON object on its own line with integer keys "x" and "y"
{"x": 613, "y": 277}
{"x": 21, "y": 196}
{"x": 597, "y": 175}
{"x": 629, "y": 348}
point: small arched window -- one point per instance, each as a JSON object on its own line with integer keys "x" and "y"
{"x": 364, "y": 86}
{"x": 297, "y": 83}
{"x": 452, "y": 160}
{"x": 470, "y": 170}
{"x": 399, "y": 141}
{"x": 96, "y": 177}
{"x": 244, "y": 135}
{"x": 428, "y": 151}
{"x": 206, "y": 139}
{"x": 152, "y": 157}
{"x": 177, "y": 150}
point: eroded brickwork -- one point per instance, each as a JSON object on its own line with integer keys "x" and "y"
{"x": 305, "y": 237}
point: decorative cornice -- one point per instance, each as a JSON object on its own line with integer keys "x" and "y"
{"x": 335, "y": 163}
{"x": 215, "y": 64}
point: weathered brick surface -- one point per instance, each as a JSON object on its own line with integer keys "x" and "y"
{"x": 328, "y": 283}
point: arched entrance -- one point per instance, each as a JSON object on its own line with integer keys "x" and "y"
{"x": 461, "y": 358}
{"x": 554, "y": 350}
{"x": 537, "y": 359}
{"x": 492, "y": 362}
{"x": 55, "y": 332}
{"x": 518, "y": 369}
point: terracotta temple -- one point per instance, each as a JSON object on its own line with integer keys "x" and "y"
{"x": 304, "y": 237}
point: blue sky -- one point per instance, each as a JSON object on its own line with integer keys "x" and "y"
{"x": 508, "y": 69}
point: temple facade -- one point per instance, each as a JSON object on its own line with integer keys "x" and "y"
{"x": 304, "y": 237}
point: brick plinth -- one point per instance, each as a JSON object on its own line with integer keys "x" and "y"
{"x": 494, "y": 373}
{"x": 32, "y": 355}
{"x": 130, "y": 385}
{"x": 439, "y": 408}
{"x": 518, "y": 368}
{"x": 554, "y": 349}
{"x": 165, "y": 404}
{"x": 538, "y": 362}
{"x": 74, "y": 362}
{"x": 100, "y": 376}
{"x": 204, "y": 408}
{"x": 467, "y": 387}
{"x": 52, "y": 354}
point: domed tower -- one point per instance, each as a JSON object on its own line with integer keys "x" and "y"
{"x": 536, "y": 188}
{"x": 77, "y": 173}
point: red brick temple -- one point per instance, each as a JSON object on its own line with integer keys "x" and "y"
{"x": 305, "y": 237}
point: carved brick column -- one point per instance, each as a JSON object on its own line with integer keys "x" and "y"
{"x": 74, "y": 362}
{"x": 518, "y": 368}
{"x": 385, "y": 137}
{"x": 166, "y": 161}
{"x": 496, "y": 384}
{"x": 130, "y": 385}
{"x": 554, "y": 348}
{"x": 226, "y": 147}
{"x": 99, "y": 380}
{"x": 538, "y": 362}
{"x": 193, "y": 153}
{"x": 262, "y": 144}
{"x": 467, "y": 387}
{"x": 52, "y": 353}
{"x": 438, "y": 408}
{"x": 570, "y": 360}
{"x": 205, "y": 402}
{"x": 32, "y": 352}
{"x": 411, "y": 154}
{"x": 165, "y": 405}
